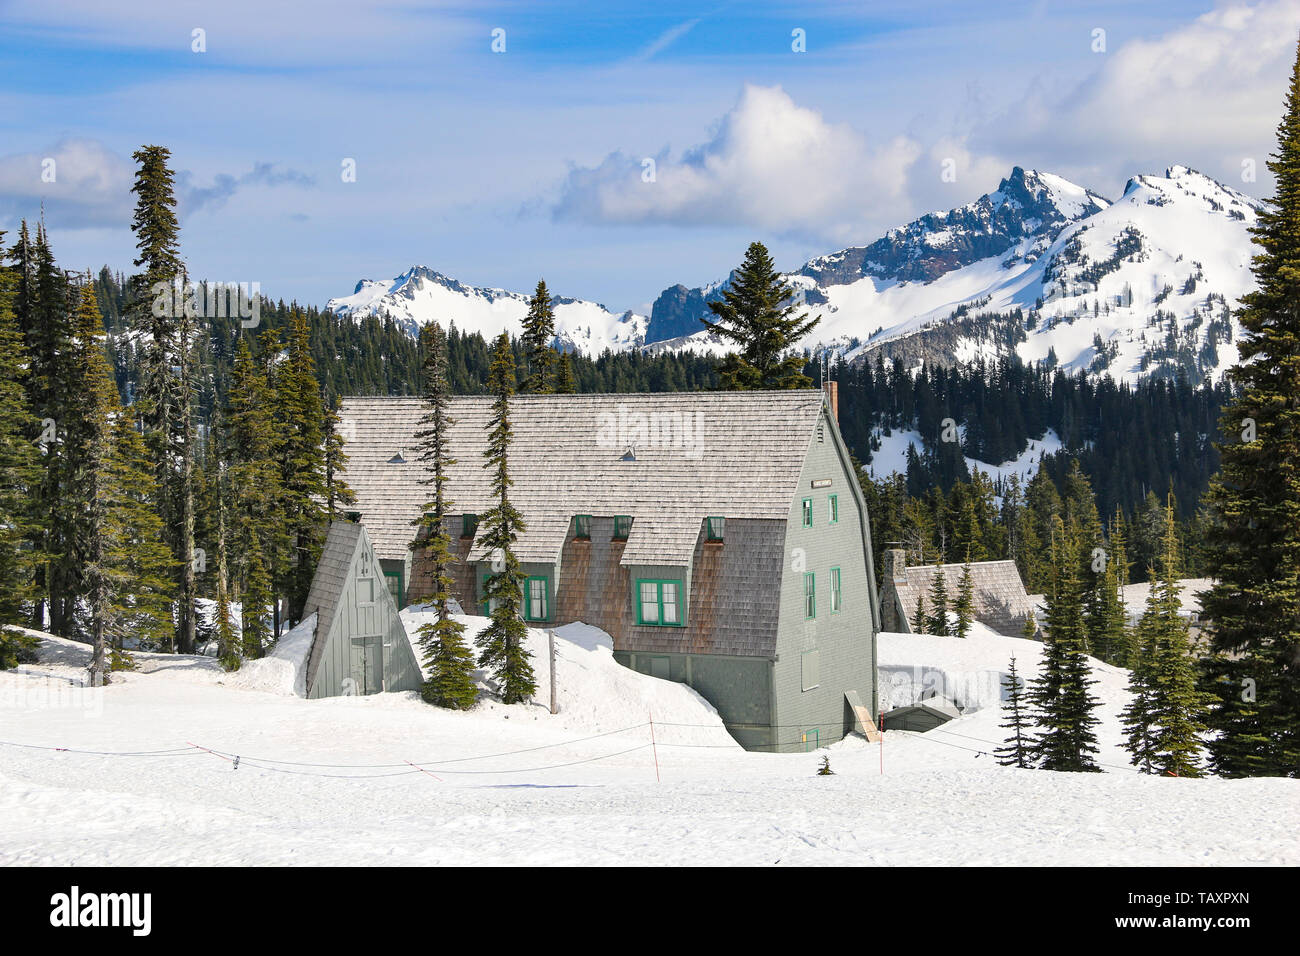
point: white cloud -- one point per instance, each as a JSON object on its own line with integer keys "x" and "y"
{"x": 770, "y": 164}
{"x": 80, "y": 181}
{"x": 1209, "y": 92}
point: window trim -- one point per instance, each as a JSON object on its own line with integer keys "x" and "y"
{"x": 810, "y": 595}
{"x": 709, "y": 529}
{"x": 528, "y": 597}
{"x": 837, "y": 591}
{"x": 627, "y": 529}
{"x": 833, "y": 508}
{"x": 659, "y": 595}
{"x": 807, "y": 507}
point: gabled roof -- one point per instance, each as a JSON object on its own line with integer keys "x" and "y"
{"x": 327, "y": 586}
{"x": 694, "y": 454}
{"x": 1000, "y": 599}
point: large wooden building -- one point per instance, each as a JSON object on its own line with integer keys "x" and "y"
{"x": 721, "y": 539}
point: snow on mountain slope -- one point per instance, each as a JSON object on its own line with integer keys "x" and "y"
{"x": 1042, "y": 267}
{"x": 420, "y": 295}
{"x": 891, "y": 456}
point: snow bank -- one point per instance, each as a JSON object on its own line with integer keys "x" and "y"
{"x": 593, "y": 691}
{"x": 969, "y": 671}
{"x": 284, "y": 669}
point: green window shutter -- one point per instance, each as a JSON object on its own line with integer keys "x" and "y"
{"x": 834, "y": 508}
{"x": 810, "y": 596}
{"x": 715, "y": 527}
{"x": 622, "y": 525}
{"x": 468, "y": 525}
{"x": 582, "y": 526}
{"x": 807, "y": 513}
{"x": 835, "y": 590}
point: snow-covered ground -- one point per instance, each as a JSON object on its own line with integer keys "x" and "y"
{"x": 388, "y": 779}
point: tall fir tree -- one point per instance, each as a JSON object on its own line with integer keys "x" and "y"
{"x": 1165, "y": 721}
{"x": 1253, "y": 505}
{"x": 1017, "y": 750}
{"x": 20, "y": 476}
{"x": 965, "y": 603}
{"x": 1061, "y": 696}
{"x": 46, "y": 316}
{"x": 564, "y": 381}
{"x": 538, "y": 335}
{"x": 140, "y": 567}
{"x": 448, "y": 659}
{"x": 164, "y": 398}
{"x": 936, "y": 622}
{"x": 501, "y": 643}
{"x": 756, "y": 315}
{"x": 337, "y": 492}
{"x": 88, "y": 447}
{"x": 301, "y": 414}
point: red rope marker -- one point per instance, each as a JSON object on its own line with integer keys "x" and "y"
{"x": 422, "y": 770}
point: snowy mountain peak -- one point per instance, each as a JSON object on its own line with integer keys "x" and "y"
{"x": 420, "y": 295}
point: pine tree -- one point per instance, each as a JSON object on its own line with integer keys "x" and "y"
{"x": 448, "y": 659}
{"x": 301, "y": 414}
{"x": 1253, "y": 540}
{"x": 937, "y": 620}
{"x": 45, "y": 315}
{"x": 920, "y": 621}
{"x": 162, "y": 314}
{"x": 1019, "y": 743}
{"x": 538, "y": 334}
{"x": 564, "y": 383}
{"x": 965, "y": 603}
{"x": 1166, "y": 718}
{"x": 1060, "y": 695}
{"x": 20, "y": 476}
{"x": 756, "y": 316}
{"x": 140, "y": 567}
{"x": 1106, "y": 621}
{"x": 88, "y": 447}
{"x": 256, "y": 619}
{"x": 337, "y": 492}
{"x": 501, "y": 643}
{"x": 228, "y": 645}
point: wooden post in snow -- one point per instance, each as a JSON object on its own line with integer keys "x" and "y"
{"x": 550, "y": 636}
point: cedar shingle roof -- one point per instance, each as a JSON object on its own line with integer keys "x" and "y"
{"x": 734, "y": 454}
{"x": 1000, "y": 599}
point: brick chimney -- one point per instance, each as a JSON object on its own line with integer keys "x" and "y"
{"x": 832, "y": 390}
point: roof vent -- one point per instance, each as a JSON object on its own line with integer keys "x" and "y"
{"x": 397, "y": 459}
{"x": 630, "y": 454}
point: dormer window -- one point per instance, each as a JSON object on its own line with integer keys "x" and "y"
{"x": 582, "y": 527}
{"x": 622, "y": 525}
{"x": 468, "y": 525}
{"x": 714, "y": 527}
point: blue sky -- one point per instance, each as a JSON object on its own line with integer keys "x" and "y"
{"x": 500, "y": 167}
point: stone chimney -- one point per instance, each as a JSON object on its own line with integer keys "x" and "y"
{"x": 832, "y": 390}
{"x": 893, "y": 565}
